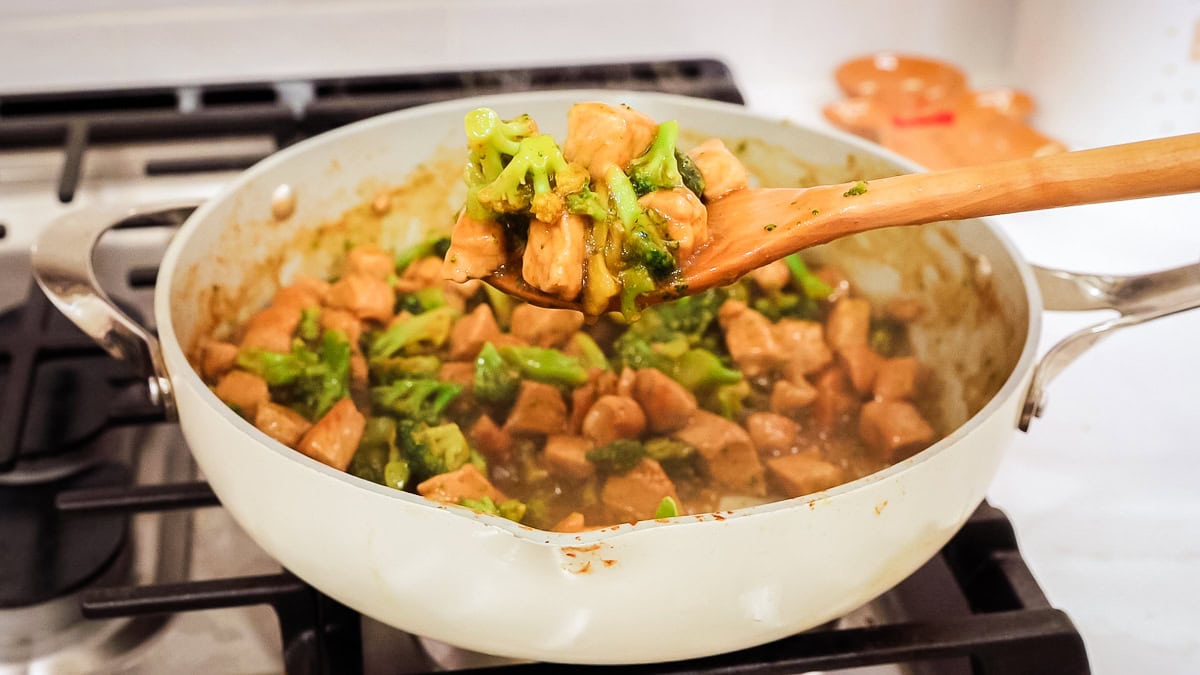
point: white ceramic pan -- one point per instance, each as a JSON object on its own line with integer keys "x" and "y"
{"x": 650, "y": 591}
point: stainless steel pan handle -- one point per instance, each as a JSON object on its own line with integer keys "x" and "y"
{"x": 62, "y": 266}
{"x": 1137, "y": 299}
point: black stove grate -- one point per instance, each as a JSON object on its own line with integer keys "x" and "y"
{"x": 291, "y": 111}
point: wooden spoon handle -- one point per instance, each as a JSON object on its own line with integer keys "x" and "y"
{"x": 1143, "y": 169}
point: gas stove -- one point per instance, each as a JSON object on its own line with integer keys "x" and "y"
{"x": 116, "y": 556}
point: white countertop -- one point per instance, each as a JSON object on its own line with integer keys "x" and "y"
{"x": 1102, "y": 489}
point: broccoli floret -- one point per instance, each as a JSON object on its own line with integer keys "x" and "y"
{"x": 587, "y": 203}
{"x": 617, "y": 457}
{"x": 635, "y": 282}
{"x": 310, "y": 327}
{"x": 378, "y": 457}
{"x": 384, "y": 369}
{"x": 643, "y": 243}
{"x": 545, "y": 365}
{"x": 511, "y": 509}
{"x": 493, "y": 140}
{"x": 421, "y": 301}
{"x": 434, "y": 450}
{"x": 420, "y": 400}
{"x": 537, "y": 179}
{"x": 658, "y": 168}
{"x": 692, "y": 178}
{"x": 435, "y": 246}
{"x": 700, "y": 369}
{"x": 727, "y": 399}
{"x": 428, "y": 330}
{"x": 308, "y": 381}
{"x": 496, "y": 380}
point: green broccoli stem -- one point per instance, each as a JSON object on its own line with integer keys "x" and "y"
{"x": 805, "y": 281}
{"x": 431, "y": 328}
{"x": 667, "y": 508}
{"x": 436, "y": 245}
{"x": 657, "y": 168}
{"x": 496, "y": 381}
{"x": 590, "y": 354}
{"x": 635, "y": 281}
{"x": 548, "y": 366}
{"x": 416, "y": 399}
{"x": 643, "y": 242}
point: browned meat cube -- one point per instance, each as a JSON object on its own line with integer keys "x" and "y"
{"x": 861, "y": 363}
{"x": 370, "y": 261}
{"x": 684, "y": 215}
{"x": 573, "y": 522}
{"x": 466, "y": 482}
{"x": 334, "y": 438}
{"x": 461, "y": 373}
{"x": 668, "y": 404}
{"x": 636, "y": 494}
{"x": 301, "y": 294}
{"x": 469, "y": 333}
{"x": 581, "y": 402}
{"x": 219, "y": 358}
{"x": 421, "y": 273}
{"x": 804, "y": 344}
{"x": 606, "y": 383}
{"x": 365, "y": 297}
{"x": 899, "y": 378}
{"x": 554, "y": 253}
{"x": 848, "y": 324}
{"x": 893, "y": 429}
{"x": 625, "y": 382}
{"x": 545, "y": 327}
{"x": 539, "y": 409}
{"x": 613, "y": 417}
{"x": 490, "y": 440}
{"x": 343, "y": 321}
{"x": 771, "y": 433}
{"x": 566, "y": 457}
{"x": 750, "y": 339}
{"x": 722, "y": 171}
{"x": 242, "y": 390}
{"x": 727, "y": 454}
{"x": 789, "y": 398}
{"x": 271, "y": 329}
{"x": 600, "y": 135}
{"x": 772, "y": 277}
{"x": 804, "y": 474}
{"x": 836, "y": 401}
{"x": 281, "y": 423}
{"x": 476, "y": 249}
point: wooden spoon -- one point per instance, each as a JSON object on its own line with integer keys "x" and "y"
{"x": 752, "y": 227}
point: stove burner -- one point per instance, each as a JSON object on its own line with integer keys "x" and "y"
{"x": 58, "y": 391}
{"x": 46, "y": 554}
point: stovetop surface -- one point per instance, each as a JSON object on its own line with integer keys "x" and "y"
{"x": 975, "y": 606}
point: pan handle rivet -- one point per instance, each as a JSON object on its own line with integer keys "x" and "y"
{"x": 283, "y": 202}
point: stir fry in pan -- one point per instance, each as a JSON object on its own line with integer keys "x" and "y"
{"x": 610, "y": 215}
{"x": 781, "y": 385}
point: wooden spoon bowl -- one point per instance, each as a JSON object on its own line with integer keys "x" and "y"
{"x": 752, "y": 227}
